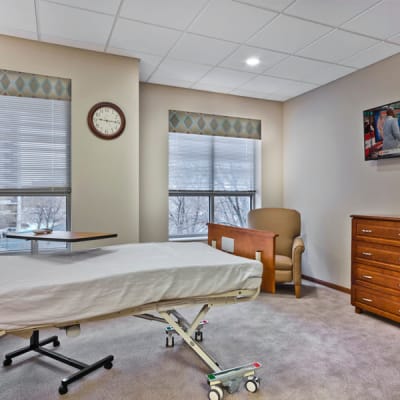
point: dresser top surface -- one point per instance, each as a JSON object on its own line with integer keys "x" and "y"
{"x": 377, "y": 217}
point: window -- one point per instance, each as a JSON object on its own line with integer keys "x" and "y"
{"x": 34, "y": 167}
{"x": 211, "y": 179}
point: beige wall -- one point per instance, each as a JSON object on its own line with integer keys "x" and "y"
{"x": 105, "y": 174}
{"x": 155, "y": 101}
{"x": 325, "y": 175}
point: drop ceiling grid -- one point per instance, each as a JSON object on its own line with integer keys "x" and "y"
{"x": 202, "y": 44}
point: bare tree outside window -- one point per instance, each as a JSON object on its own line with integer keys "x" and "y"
{"x": 211, "y": 179}
{"x": 44, "y": 212}
{"x": 26, "y": 213}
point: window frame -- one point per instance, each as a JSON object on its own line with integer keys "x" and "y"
{"x": 251, "y": 194}
{"x": 45, "y": 88}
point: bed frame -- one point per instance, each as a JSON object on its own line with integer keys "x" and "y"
{"x": 248, "y": 243}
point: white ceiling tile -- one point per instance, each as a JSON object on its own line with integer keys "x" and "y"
{"x": 104, "y": 6}
{"x": 202, "y": 50}
{"x": 331, "y": 12}
{"x": 372, "y": 55}
{"x": 169, "y": 81}
{"x": 17, "y": 17}
{"x": 172, "y": 13}
{"x": 258, "y": 95}
{"x": 395, "y": 39}
{"x": 211, "y": 88}
{"x": 336, "y": 46}
{"x": 288, "y": 34}
{"x": 283, "y": 87}
{"x": 180, "y": 70}
{"x": 74, "y": 25}
{"x": 143, "y": 37}
{"x": 147, "y": 62}
{"x": 276, "y": 5}
{"x": 238, "y": 59}
{"x": 229, "y": 20}
{"x": 80, "y": 44}
{"x": 147, "y": 65}
{"x": 226, "y": 77}
{"x": 296, "y": 53}
{"x": 308, "y": 70}
{"x": 381, "y": 21}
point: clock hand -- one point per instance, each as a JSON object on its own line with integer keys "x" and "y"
{"x": 107, "y": 120}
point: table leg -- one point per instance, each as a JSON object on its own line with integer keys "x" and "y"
{"x": 34, "y": 247}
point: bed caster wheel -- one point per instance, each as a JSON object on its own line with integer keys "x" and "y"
{"x": 169, "y": 343}
{"x": 252, "y": 384}
{"x": 108, "y": 365}
{"x": 216, "y": 393}
{"x": 62, "y": 389}
{"x": 7, "y": 362}
{"x": 198, "y": 336}
{"x": 56, "y": 343}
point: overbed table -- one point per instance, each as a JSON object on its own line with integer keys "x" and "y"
{"x": 59, "y": 236}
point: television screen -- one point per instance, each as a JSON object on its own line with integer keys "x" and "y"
{"x": 382, "y": 132}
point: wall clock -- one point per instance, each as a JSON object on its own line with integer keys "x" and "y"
{"x": 106, "y": 120}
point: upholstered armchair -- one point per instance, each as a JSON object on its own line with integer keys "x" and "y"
{"x": 289, "y": 245}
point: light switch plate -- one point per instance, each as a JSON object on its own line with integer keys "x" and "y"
{"x": 227, "y": 244}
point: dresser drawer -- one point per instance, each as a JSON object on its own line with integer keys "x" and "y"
{"x": 377, "y": 276}
{"x": 377, "y": 300}
{"x": 378, "y": 229}
{"x": 378, "y": 253}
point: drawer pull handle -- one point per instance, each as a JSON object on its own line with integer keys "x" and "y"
{"x": 364, "y": 253}
{"x": 368, "y": 231}
{"x": 367, "y": 300}
{"x": 370, "y": 277}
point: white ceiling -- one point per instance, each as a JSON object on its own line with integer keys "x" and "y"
{"x": 203, "y": 44}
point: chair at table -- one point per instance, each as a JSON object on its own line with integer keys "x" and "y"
{"x": 289, "y": 245}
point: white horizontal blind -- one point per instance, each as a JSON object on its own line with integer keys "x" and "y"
{"x": 34, "y": 145}
{"x": 211, "y": 163}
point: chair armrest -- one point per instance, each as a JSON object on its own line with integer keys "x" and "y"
{"x": 298, "y": 246}
{"x": 297, "y": 251}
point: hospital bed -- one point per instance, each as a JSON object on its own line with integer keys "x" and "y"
{"x": 64, "y": 290}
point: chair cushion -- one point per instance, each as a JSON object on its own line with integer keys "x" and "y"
{"x": 283, "y": 263}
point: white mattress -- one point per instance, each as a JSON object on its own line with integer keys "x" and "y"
{"x": 56, "y": 288}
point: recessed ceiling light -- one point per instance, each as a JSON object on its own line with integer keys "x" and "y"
{"x": 253, "y": 61}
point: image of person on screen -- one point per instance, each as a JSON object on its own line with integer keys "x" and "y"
{"x": 380, "y": 120}
{"x": 391, "y": 131}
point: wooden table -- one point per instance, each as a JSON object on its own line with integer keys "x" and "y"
{"x": 59, "y": 236}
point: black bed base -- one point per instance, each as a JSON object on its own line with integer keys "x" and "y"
{"x": 37, "y": 345}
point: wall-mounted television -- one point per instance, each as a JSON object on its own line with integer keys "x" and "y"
{"x": 382, "y": 132}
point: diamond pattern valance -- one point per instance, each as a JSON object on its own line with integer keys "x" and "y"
{"x": 217, "y": 125}
{"x": 29, "y": 85}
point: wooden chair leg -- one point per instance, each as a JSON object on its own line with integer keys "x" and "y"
{"x": 297, "y": 290}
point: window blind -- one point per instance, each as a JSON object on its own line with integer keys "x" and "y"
{"x": 34, "y": 145}
{"x": 211, "y": 163}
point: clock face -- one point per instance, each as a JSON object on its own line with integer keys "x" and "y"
{"x": 106, "y": 120}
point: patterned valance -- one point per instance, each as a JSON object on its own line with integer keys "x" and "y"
{"x": 217, "y": 125}
{"x": 29, "y": 85}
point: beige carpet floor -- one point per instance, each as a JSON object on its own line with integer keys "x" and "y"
{"x": 313, "y": 348}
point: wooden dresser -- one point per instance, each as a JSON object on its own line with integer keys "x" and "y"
{"x": 375, "y": 265}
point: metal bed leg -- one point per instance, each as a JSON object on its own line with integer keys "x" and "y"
{"x": 219, "y": 379}
{"x": 229, "y": 379}
{"x": 37, "y": 345}
{"x": 192, "y": 343}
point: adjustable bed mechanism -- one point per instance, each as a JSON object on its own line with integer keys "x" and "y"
{"x": 219, "y": 379}
{"x": 229, "y": 379}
